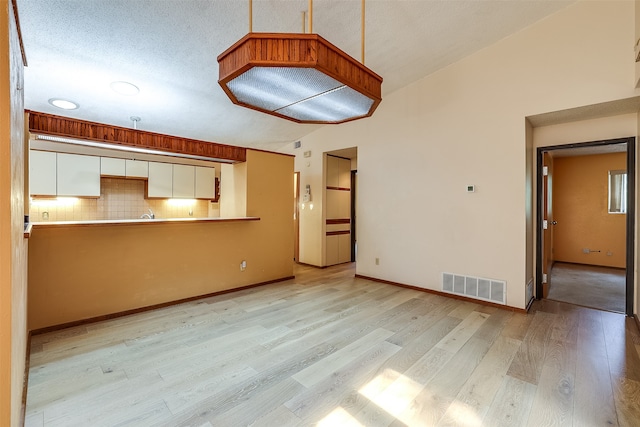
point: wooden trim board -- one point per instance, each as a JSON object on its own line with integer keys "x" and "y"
{"x": 335, "y": 233}
{"x": 49, "y": 124}
{"x": 338, "y": 221}
{"x": 25, "y": 380}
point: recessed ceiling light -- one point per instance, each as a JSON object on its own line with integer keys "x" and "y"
{"x": 63, "y": 103}
{"x": 125, "y": 88}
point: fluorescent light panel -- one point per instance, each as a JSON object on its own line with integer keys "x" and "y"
{"x": 305, "y": 94}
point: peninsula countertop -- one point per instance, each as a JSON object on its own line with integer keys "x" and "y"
{"x": 138, "y": 221}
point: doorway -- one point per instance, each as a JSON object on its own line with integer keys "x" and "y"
{"x": 567, "y": 248}
{"x": 340, "y": 205}
{"x": 296, "y": 214}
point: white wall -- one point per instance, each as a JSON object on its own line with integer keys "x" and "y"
{"x": 619, "y": 126}
{"x": 466, "y": 125}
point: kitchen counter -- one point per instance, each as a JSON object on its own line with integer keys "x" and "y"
{"x": 138, "y": 221}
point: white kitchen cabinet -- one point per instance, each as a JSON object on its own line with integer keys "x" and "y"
{"x": 205, "y": 183}
{"x": 338, "y": 172}
{"x": 332, "y": 245}
{"x": 78, "y": 175}
{"x": 344, "y": 171}
{"x": 160, "y": 180}
{"x": 344, "y": 248}
{"x": 338, "y": 248}
{"x": 137, "y": 169}
{"x": 112, "y": 167}
{"x": 184, "y": 181}
{"x": 42, "y": 173}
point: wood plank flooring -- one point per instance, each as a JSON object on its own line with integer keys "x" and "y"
{"x": 328, "y": 349}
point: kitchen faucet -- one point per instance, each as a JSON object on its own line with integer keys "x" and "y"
{"x": 150, "y": 215}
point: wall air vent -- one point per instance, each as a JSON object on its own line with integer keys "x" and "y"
{"x": 475, "y": 287}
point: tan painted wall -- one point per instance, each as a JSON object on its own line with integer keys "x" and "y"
{"x": 463, "y": 125}
{"x": 13, "y": 246}
{"x": 580, "y": 191}
{"x": 82, "y": 272}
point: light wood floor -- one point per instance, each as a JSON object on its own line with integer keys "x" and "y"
{"x": 327, "y": 349}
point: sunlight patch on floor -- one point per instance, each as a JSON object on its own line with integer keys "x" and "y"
{"x": 392, "y": 392}
{"x": 339, "y": 417}
{"x": 405, "y": 400}
{"x": 461, "y": 414}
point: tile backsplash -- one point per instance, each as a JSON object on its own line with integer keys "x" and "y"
{"x": 119, "y": 199}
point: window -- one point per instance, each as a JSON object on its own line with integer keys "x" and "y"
{"x": 617, "y": 191}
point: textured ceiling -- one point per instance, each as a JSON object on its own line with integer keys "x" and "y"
{"x": 168, "y": 48}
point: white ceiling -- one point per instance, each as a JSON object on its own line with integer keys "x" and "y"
{"x": 168, "y": 48}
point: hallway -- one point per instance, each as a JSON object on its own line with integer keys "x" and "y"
{"x": 602, "y": 288}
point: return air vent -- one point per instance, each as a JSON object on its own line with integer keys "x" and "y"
{"x": 475, "y": 287}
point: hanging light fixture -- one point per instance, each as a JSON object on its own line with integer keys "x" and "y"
{"x": 299, "y": 77}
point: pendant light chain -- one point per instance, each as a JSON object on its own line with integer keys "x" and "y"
{"x": 362, "y": 49}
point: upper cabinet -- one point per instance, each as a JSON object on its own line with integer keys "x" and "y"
{"x": 62, "y": 174}
{"x": 184, "y": 181}
{"x": 181, "y": 181}
{"x": 78, "y": 175}
{"x": 338, "y": 172}
{"x": 137, "y": 169}
{"x": 42, "y": 173}
{"x": 59, "y": 174}
{"x": 112, "y": 167}
{"x": 205, "y": 183}
{"x": 160, "y": 180}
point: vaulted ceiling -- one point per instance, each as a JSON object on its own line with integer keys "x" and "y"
{"x": 76, "y": 48}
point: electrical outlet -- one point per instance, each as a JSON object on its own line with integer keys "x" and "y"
{"x": 243, "y": 265}
{"x": 377, "y": 261}
{"x": 585, "y": 251}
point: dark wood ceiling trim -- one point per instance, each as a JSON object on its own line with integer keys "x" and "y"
{"x": 49, "y": 124}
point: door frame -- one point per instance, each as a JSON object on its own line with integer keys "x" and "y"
{"x": 631, "y": 211}
{"x": 296, "y": 217}
{"x": 354, "y": 175}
